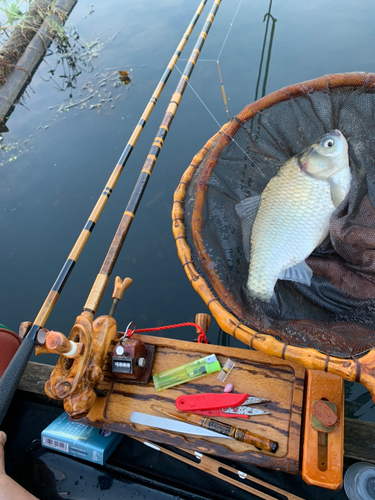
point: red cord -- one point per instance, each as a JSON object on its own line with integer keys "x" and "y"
{"x": 201, "y": 337}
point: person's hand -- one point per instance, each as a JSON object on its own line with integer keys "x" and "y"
{"x": 3, "y": 438}
{"x": 9, "y": 489}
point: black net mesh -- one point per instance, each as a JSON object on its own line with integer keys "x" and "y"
{"x": 335, "y": 315}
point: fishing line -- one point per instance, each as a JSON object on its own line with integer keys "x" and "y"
{"x": 218, "y": 64}
{"x": 225, "y": 39}
{"x": 223, "y": 90}
{"x": 217, "y": 122}
{"x": 189, "y": 85}
{"x": 230, "y": 27}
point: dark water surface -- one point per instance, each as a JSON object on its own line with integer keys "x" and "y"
{"x": 61, "y": 161}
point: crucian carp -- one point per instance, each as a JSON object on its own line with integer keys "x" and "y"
{"x": 291, "y": 216}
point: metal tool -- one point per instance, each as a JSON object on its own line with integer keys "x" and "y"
{"x": 221, "y": 405}
{"x": 246, "y": 410}
{"x": 168, "y": 424}
{"x": 218, "y": 470}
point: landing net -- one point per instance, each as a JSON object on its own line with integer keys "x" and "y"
{"x": 335, "y": 315}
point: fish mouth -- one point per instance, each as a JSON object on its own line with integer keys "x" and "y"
{"x": 303, "y": 157}
{"x": 336, "y": 132}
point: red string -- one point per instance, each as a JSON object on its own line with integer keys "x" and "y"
{"x": 201, "y": 337}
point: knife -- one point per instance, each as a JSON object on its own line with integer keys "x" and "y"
{"x": 168, "y": 424}
{"x": 243, "y": 435}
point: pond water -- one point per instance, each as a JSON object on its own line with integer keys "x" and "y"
{"x": 57, "y": 159}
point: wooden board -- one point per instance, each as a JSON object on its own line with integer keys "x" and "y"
{"x": 358, "y": 438}
{"x": 254, "y": 373}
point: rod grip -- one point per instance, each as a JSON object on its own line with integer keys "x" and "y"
{"x": 10, "y": 379}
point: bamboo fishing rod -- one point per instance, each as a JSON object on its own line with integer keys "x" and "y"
{"x": 102, "y": 278}
{"x": 75, "y": 383}
{"x": 12, "y": 375}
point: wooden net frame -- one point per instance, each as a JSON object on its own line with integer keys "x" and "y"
{"x": 356, "y": 369}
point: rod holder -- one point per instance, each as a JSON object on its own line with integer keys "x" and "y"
{"x": 74, "y": 380}
{"x": 118, "y": 291}
{"x": 204, "y": 321}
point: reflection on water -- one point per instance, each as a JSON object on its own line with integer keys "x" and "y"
{"x": 63, "y": 145}
{"x": 72, "y": 59}
{"x": 358, "y": 402}
{"x": 268, "y": 17}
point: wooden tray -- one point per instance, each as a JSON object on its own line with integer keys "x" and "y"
{"x": 255, "y": 373}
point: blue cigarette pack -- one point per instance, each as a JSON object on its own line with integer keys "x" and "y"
{"x": 79, "y": 440}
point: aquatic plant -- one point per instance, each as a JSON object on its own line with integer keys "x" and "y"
{"x": 23, "y": 19}
{"x": 14, "y": 11}
{"x": 70, "y": 62}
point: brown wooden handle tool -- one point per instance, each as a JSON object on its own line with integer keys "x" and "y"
{"x": 243, "y": 435}
{"x": 237, "y": 433}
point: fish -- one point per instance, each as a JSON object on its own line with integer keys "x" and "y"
{"x": 285, "y": 223}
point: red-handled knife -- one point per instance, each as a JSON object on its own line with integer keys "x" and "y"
{"x": 209, "y": 401}
{"x": 220, "y": 405}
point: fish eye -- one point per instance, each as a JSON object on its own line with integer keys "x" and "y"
{"x": 328, "y": 143}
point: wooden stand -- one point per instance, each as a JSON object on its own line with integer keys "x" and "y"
{"x": 358, "y": 442}
{"x": 323, "y": 447}
{"x": 254, "y": 373}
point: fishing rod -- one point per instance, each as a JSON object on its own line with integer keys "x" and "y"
{"x": 217, "y": 60}
{"x": 102, "y": 278}
{"x": 12, "y": 375}
{"x": 75, "y": 381}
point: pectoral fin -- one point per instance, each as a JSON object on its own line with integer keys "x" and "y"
{"x": 301, "y": 273}
{"x": 247, "y": 210}
{"x": 338, "y": 191}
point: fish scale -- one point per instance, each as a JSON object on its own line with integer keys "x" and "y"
{"x": 293, "y": 215}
